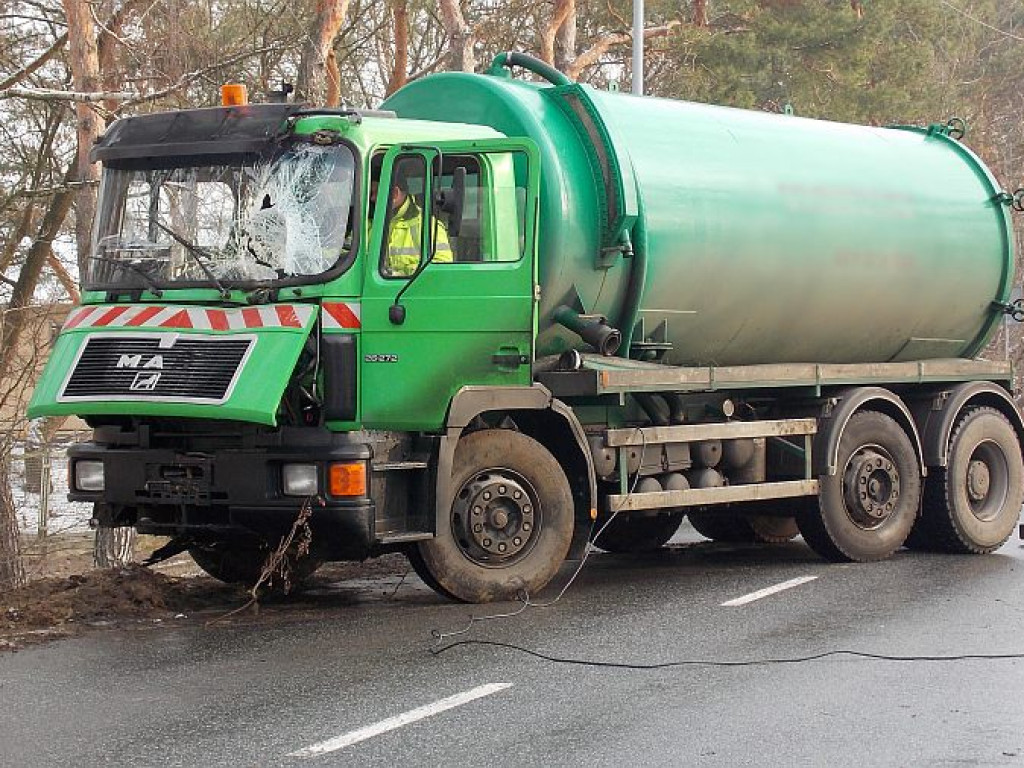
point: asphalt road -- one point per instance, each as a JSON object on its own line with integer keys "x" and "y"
{"x": 355, "y": 682}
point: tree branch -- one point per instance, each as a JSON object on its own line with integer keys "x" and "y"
{"x": 51, "y": 94}
{"x": 28, "y": 69}
{"x": 593, "y": 54}
{"x": 190, "y": 77}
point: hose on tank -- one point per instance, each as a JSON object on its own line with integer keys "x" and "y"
{"x": 530, "y": 63}
{"x": 650, "y": 407}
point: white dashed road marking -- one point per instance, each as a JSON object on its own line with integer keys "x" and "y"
{"x": 768, "y": 591}
{"x": 391, "y": 723}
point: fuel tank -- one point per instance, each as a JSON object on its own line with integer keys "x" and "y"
{"x": 718, "y": 236}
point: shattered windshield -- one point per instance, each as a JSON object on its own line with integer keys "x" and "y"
{"x": 224, "y": 221}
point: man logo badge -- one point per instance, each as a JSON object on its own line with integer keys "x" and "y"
{"x": 145, "y": 381}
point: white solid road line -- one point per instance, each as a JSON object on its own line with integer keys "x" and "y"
{"x": 768, "y": 591}
{"x": 391, "y": 723}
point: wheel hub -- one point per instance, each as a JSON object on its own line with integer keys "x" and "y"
{"x": 871, "y": 487}
{"x": 494, "y": 516}
{"x": 978, "y": 480}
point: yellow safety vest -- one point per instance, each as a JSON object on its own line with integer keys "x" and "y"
{"x": 405, "y": 239}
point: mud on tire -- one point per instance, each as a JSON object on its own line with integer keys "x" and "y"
{"x": 867, "y": 509}
{"x": 510, "y": 525}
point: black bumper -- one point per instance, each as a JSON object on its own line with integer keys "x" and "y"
{"x": 228, "y": 493}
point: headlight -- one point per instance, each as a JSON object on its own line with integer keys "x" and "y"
{"x": 89, "y": 476}
{"x": 299, "y": 480}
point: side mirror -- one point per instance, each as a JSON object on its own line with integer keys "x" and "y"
{"x": 452, "y": 201}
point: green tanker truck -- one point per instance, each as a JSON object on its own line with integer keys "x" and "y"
{"x": 498, "y": 316}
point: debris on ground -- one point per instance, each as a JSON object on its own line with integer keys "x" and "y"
{"x": 67, "y": 604}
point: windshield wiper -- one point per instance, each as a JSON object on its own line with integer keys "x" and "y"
{"x": 149, "y": 281}
{"x": 198, "y": 254}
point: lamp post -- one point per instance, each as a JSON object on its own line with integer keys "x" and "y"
{"x": 638, "y": 47}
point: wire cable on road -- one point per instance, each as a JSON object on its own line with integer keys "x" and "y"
{"x": 437, "y": 651}
{"x": 524, "y": 596}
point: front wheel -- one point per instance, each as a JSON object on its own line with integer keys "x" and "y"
{"x": 243, "y": 562}
{"x": 511, "y": 521}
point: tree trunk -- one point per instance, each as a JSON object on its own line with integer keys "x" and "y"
{"x": 560, "y": 14}
{"x": 313, "y": 76}
{"x": 400, "y": 67}
{"x": 565, "y": 43}
{"x": 699, "y": 17}
{"x": 85, "y": 73}
{"x": 461, "y": 57}
{"x": 12, "y": 571}
{"x": 114, "y": 547}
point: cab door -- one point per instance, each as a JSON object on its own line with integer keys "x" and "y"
{"x": 450, "y": 302}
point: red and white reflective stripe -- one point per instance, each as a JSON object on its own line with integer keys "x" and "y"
{"x": 341, "y": 314}
{"x": 198, "y": 318}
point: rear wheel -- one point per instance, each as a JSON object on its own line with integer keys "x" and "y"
{"x": 972, "y": 505}
{"x": 773, "y": 530}
{"x": 638, "y": 533}
{"x": 510, "y": 525}
{"x": 866, "y": 510}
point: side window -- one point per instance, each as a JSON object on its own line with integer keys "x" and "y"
{"x": 402, "y": 244}
{"x": 491, "y": 227}
{"x": 493, "y": 217}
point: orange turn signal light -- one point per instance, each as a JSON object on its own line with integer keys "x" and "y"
{"x": 234, "y": 95}
{"x": 347, "y": 479}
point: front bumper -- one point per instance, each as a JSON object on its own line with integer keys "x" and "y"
{"x": 230, "y": 492}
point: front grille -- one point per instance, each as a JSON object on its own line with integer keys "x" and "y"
{"x": 157, "y": 367}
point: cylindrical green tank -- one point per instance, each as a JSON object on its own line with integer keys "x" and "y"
{"x": 717, "y": 236}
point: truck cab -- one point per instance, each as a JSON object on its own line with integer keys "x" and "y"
{"x": 254, "y": 346}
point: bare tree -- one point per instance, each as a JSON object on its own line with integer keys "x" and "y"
{"x": 315, "y": 78}
{"x": 563, "y": 11}
{"x": 461, "y": 39}
{"x": 699, "y": 13}
{"x": 85, "y": 73}
{"x": 400, "y": 66}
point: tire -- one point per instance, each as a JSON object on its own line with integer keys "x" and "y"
{"x": 773, "y": 530}
{"x": 722, "y": 526}
{"x": 866, "y": 510}
{"x": 972, "y": 505}
{"x": 242, "y": 563}
{"x": 511, "y": 521}
{"x": 627, "y": 534}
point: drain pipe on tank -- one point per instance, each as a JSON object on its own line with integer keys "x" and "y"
{"x": 635, "y": 285}
{"x": 597, "y": 333}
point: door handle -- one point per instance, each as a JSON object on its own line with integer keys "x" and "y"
{"x": 510, "y": 359}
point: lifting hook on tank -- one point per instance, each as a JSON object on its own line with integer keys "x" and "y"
{"x": 955, "y": 128}
{"x": 1015, "y": 309}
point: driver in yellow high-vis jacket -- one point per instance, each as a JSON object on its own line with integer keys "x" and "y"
{"x": 405, "y": 230}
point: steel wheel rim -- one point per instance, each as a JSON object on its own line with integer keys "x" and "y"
{"x": 496, "y": 518}
{"x": 871, "y": 487}
{"x": 986, "y": 481}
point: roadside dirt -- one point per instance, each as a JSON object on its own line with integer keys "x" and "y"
{"x": 67, "y": 596}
